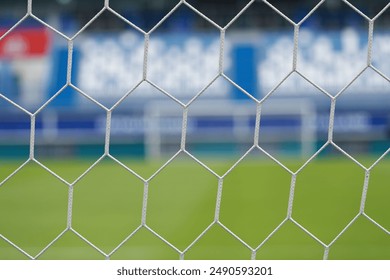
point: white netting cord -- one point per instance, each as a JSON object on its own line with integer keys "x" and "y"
{"x": 186, "y": 109}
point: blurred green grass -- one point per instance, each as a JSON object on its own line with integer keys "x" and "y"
{"x": 107, "y": 208}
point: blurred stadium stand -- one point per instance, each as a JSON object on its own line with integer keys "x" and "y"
{"x": 333, "y": 48}
{"x": 145, "y": 13}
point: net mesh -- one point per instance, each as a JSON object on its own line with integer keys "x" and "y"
{"x": 186, "y": 107}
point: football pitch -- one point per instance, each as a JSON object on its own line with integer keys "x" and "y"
{"x": 108, "y": 206}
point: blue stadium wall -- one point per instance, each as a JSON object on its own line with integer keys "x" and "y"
{"x": 256, "y": 61}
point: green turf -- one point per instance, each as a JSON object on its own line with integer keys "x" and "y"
{"x": 107, "y": 208}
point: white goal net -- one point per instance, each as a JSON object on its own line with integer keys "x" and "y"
{"x": 288, "y": 96}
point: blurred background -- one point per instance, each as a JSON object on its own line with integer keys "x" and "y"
{"x": 183, "y": 59}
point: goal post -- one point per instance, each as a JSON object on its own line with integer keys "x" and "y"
{"x": 287, "y": 120}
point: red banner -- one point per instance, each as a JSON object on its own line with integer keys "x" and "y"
{"x": 25, "y": 42}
